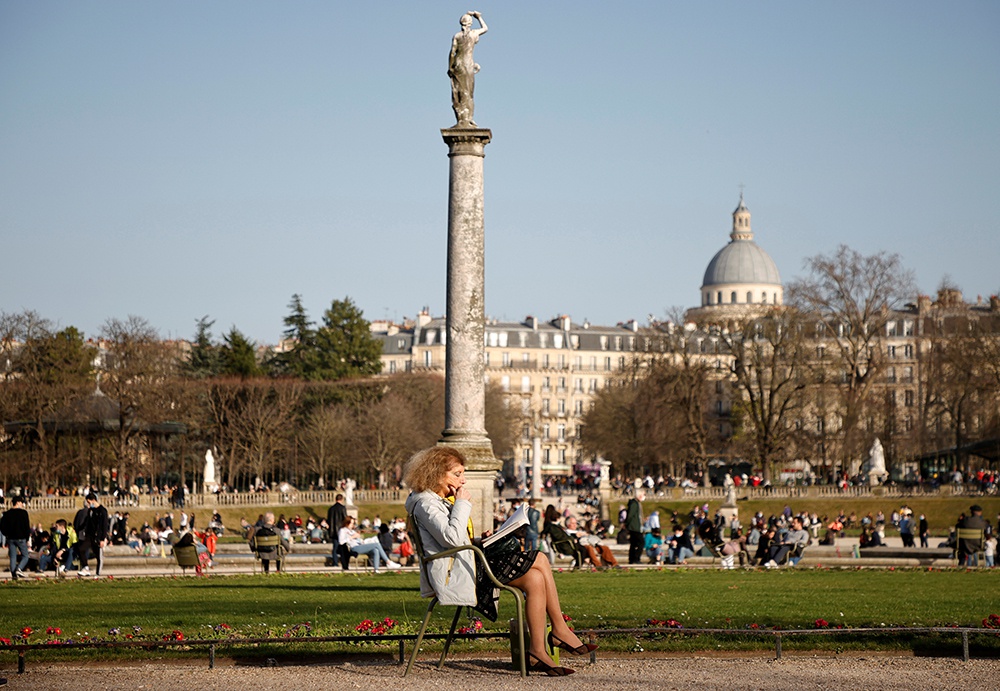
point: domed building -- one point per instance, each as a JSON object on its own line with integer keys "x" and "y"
{"x": 740, "y": 277}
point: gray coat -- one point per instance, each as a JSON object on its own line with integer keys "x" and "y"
{"x": 452, "y": 579}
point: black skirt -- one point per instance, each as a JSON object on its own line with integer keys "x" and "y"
{"x": 507, "y": 561}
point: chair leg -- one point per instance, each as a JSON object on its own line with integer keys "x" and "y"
{"x": 451, "y": 636}
{"x": 420, "y": 636}
{"x": 519, "y": 605}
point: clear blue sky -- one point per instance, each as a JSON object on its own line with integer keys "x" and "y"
{"x": 179, "y": 159}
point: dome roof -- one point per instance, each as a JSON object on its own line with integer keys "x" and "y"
{"x": 741, "y": 261}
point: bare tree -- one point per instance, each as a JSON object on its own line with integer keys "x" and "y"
{"x": 770, "y": 368}
{"x": 326, "y": 438}
{"x": 851, "y": 297}
{"x": 261, "y": 425}
{"x": 43, "y": 372}
{"x": 134, "y": 367}
{"x": 388, "y": 431}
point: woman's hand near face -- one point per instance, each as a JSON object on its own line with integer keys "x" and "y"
{"x": 462, "y": 493}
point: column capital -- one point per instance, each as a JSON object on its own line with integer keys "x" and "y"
{"x": 466, "y": 141}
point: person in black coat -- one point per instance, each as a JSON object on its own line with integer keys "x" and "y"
{"x": 94, "y": 535}
{"x": 335, "y": 518}
{"x": 16, "y": 527}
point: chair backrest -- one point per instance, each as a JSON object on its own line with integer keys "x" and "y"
{"x": 186, "y": 556}
{"x": 269, "y": 544}
{"x": 418, "y": 545}
{"x": 561, "y": 541}
{"x": 970, "y": 535}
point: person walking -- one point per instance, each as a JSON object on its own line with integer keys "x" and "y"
{"x": 16, "y": 527}
{"x": 633, "y": 523}
{"x": 94, "y": 536}
{"x": 334, "y": 519}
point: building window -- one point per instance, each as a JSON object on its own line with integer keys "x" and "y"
{"x": 908, "y": 398}
{"x": 718, "y": 297}
{"x": 732, "y": 297}
{"x": 749, "y": 297}
{"x": 545, "y": 406}
{"x": 593, "y": 385}
{"x": 562, "y": 456}
{"x": 545, "y": 361}
{"x": 525, "y": 384}
{"x": 561, "y": 432}
{"x": 545, "y": 456}
{"x": 545, "y": 431}
{"x": 607, "y": 364}
{"x": 763, "y": 298}
{"x": 428, "y": 359}
{"x": 891, "y": 351}
{"x": 578, "y": 408}
{"x": 506, "y": 359}
{"x": 505, "y": 382}
{"x": 561, "y": 406}
{"x": 578, "y": 385}
{"x": 392, "y": 366}
{"x": 526, "y": 432}
{"x": 908, "y": 351}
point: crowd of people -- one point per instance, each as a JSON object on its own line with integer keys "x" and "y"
{"x": 574, "y": 530}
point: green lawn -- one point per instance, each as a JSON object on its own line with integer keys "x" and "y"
{"x": 334, "y": 604}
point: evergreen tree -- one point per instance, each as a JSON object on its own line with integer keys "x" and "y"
{"x": 239, "y": 356}
{"x": 205, "y": 358}
{"x": 345, "y": 346}
{"x": 299, "y": 337}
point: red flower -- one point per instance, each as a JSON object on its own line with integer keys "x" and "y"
{"x": 26, "y": 631}
{"x": 822, "y": 624}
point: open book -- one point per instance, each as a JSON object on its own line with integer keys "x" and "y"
{"x": 516, "y": 520}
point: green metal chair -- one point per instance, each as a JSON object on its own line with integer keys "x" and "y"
{"x": 187, "y": 558}
{"x": 975, "y": 537}
{"x": 267, "y": 547}
{"x": 480, "y": 558}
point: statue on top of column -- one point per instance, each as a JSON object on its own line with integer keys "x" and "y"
{"x": 462, "y": 69}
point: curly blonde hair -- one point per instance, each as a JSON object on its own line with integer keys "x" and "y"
{"x": 426, "y": 468}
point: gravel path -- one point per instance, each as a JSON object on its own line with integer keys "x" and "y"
{"x": 804, "y": 672}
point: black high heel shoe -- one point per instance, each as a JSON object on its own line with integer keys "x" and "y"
{"x": 551, "y": 670}
{"x": 581, "y": 649}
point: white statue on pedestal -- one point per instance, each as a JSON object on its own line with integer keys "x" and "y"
{"x": 349, "y": 492}
{"x": 875, "y": 465}
{"x": 209, "y": 483}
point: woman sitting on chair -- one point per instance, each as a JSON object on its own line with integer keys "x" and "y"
{"x": 441, "y": 506}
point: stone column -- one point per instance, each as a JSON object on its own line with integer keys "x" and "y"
{"x": 465, "y": 387}
{"x": 536, "y": 468}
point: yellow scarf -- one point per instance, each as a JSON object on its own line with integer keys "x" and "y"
{"x": 471, "y": 529}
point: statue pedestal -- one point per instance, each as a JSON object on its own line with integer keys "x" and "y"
{"x": 729, "y": 511}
